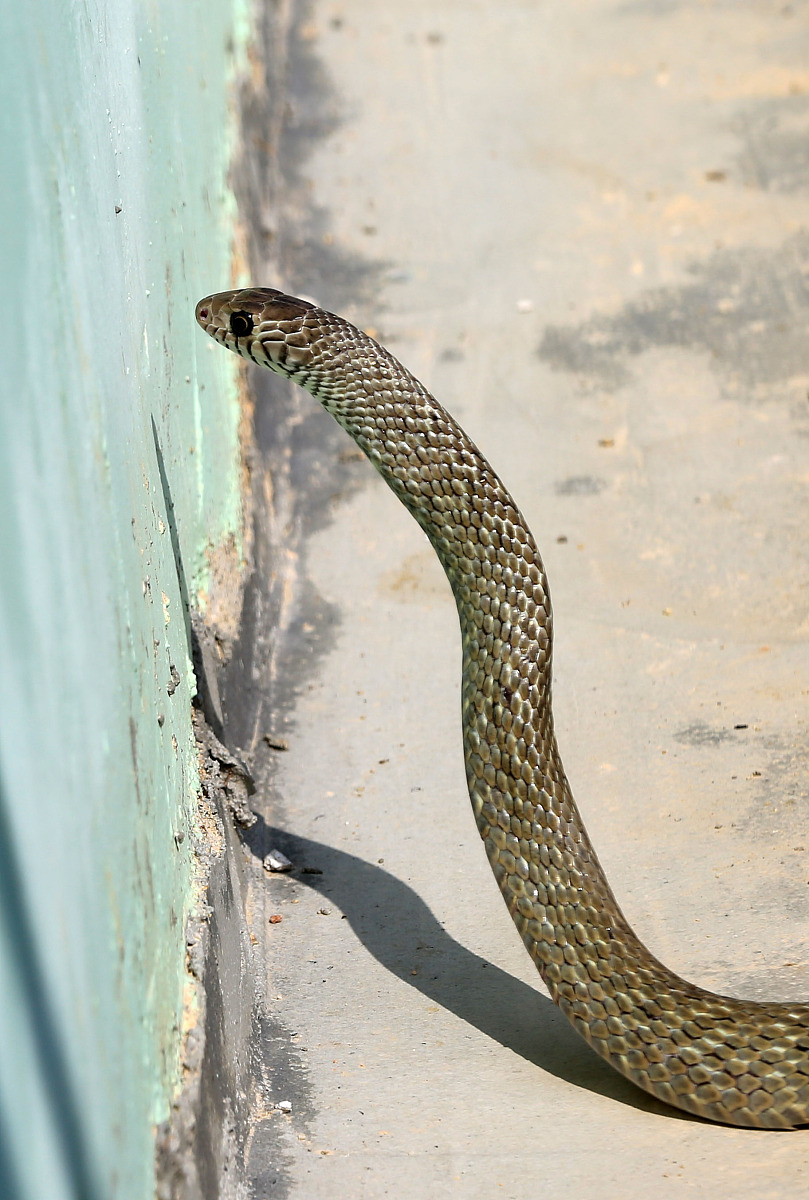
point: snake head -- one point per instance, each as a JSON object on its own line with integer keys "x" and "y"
{"x": 261, "y": 324}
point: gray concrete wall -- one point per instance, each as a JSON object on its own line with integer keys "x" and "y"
{"x": 120, "y": 507}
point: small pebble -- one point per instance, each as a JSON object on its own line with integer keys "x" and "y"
{"x": 284, "y": 1106}
{"x": 277, "y": 861}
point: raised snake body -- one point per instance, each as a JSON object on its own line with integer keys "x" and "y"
{"x": 728, "y": 1060}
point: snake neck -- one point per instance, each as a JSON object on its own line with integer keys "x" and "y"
{"x": 481, "y": 539}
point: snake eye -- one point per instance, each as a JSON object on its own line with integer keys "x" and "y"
{"x": 241, "y": 323}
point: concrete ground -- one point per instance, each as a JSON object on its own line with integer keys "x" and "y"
{"x": 584, "y": 227}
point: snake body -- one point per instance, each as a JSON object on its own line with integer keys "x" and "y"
{"x": 729, "y": 1060}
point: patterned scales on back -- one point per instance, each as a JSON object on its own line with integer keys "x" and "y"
{"x": 728, "y": 1060}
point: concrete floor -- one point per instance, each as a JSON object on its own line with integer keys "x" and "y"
{"x": 584, "y": 227}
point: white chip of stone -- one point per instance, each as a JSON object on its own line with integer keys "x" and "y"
{"x": 276, "y": 861}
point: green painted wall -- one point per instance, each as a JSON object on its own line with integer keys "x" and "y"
{"x": 104, "y": 107}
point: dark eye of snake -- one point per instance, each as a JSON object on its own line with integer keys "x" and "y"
{"x": 241, "y": 323}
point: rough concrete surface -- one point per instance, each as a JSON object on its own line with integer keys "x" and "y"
{"x": 584, "y": 227}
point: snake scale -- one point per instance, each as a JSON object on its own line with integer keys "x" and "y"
{"x": 728, "y": 1060}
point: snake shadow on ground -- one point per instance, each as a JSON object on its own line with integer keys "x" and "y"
{"x": 400, "y": 931}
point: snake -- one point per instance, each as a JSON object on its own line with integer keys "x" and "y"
{"x": 732, "y": 1061}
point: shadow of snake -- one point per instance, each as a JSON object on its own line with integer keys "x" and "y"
{"x": 399, "y": 930}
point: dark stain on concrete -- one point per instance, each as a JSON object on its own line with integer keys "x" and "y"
{"x": 775, "y": 145}
{"x": 288, "y": 107}
{"x": 285, "y": 1076}
{"x": 700, "y": 734}
{"x": 299, "y": 451}
{"x": 747, "y": 309}
{"x": 579, "y": 485}
{"x": 299, "y": 474}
